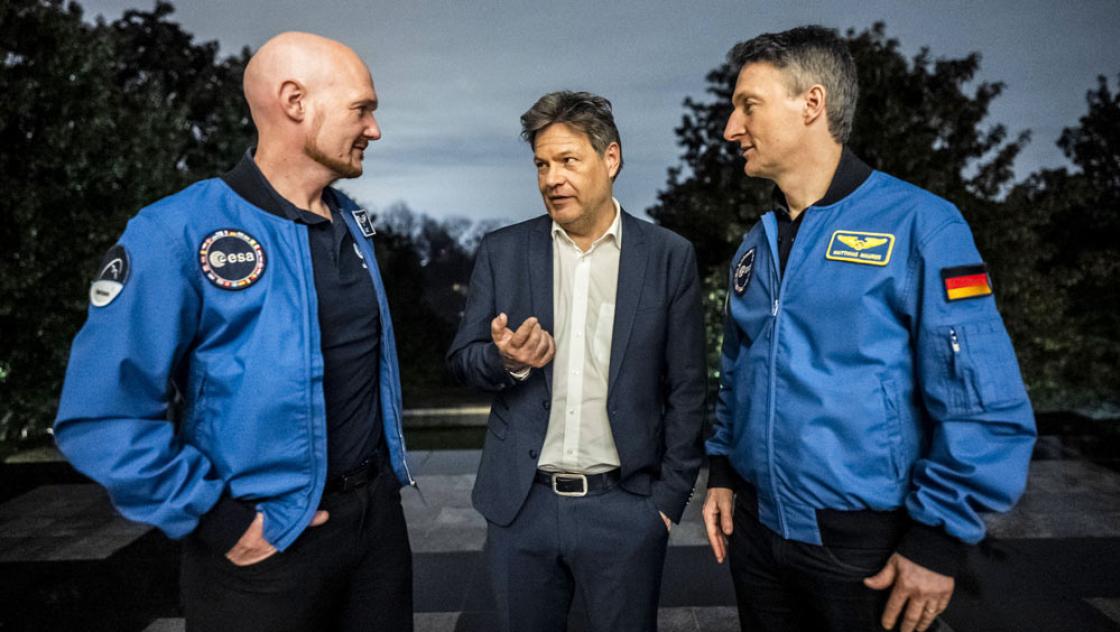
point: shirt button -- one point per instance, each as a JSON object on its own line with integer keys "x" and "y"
{"x": 546, "y": 404}
{"x": 533, "y": 454}
{"x": 571, "y": 451}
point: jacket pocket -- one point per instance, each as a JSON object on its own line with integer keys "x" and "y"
{"x": 194, "y": 417}
{"x": 982, "y": 373}
{"x": 892, "y": 406}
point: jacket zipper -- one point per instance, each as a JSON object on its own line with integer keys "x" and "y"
{"x": 955, "y": 345}
{"x": 777, "y": 281}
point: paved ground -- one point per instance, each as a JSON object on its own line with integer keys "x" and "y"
{"x": 68, "y": 562}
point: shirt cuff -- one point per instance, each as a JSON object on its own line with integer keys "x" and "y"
{"x": 934, "y": 549}
{"x": 521, "y": 375}
{"x": 225, "y": 523}
{"x": 721, "y": 474}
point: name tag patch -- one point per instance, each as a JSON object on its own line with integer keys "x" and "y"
{"x": 860, "y": 247}
{"x": 231, "y": 259}
{"x": 365, "y": 223}
{"x": 964, "y": 282}
{"x": 112, "y": 274}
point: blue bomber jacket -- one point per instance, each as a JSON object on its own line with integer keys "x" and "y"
{"x": 875, "y": 373}
{"x": 210, "y": 296}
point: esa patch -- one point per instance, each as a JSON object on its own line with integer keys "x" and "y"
{"x": 743, "y": 270}
{"x": 111, "y": 276}
{"x": 964, "y": 282}
{"x": 364, "y": 222}
{"x": 860, "y": 247}
{"x": 231, "y": 259}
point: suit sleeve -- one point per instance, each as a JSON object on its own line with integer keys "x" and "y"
{"x": 983, "y": 427}
{"x": 112, "y": 420}
{"x": 685, "y": 388}
{"x": 473, "y": 357}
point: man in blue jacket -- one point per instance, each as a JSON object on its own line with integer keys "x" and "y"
{"x": 256, "y": 298}
{"x": 870, "y": 402}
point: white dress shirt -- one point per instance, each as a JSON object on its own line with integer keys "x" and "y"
{"x": 584, "y": 286}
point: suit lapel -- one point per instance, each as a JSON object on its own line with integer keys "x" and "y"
{"x": 540, "y": 282}
{"x": 631, "y": 271}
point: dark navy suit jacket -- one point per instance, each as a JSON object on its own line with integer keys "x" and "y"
{"x": 656, "y": 388}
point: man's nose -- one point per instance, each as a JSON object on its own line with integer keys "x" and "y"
{"x": 734, "y": 127}
{"x": 552, "y": 177}
{"x": 372, "y": 130}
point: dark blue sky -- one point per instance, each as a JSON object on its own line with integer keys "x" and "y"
{"x": 453, "y": 77}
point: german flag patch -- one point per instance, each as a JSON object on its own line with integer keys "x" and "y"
{"x": 964, "y": 282}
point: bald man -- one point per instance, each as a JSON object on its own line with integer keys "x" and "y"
{"x": 236, "y": 381}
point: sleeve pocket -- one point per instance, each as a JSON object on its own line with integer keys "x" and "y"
{"x": 982, "y": 373}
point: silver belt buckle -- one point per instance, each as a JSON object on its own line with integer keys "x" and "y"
{"x": 581, "y": 477}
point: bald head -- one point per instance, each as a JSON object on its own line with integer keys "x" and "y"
{"x": 312, "y": 97}
{"x": 315, "y": 63}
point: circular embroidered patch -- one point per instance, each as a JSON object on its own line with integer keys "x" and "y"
{"x": 231, "y": 259}
{"x": 111, "y": 277}
{"x": 743, "y": 271}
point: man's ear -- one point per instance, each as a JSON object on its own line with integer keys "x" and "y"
{"x": 613, "y": 157}
{"x": 816, "y": 100}
{"x": 293, "y": 100}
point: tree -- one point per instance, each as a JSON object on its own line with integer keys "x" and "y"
{"x": 1075, "y": 280}
{"x": 97, "y": 121}
{"x": 427, "y": 265}
{"x": 917, "y": 119}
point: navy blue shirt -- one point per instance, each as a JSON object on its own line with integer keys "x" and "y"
{"x": 349, "y": 320}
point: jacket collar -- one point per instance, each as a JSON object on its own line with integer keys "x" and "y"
{"x": 247, "y": 181}
{"x": 850, "y": 174}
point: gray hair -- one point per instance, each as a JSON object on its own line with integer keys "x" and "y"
{"x": 809, "y": 55}
{"x": 586, "y": 112}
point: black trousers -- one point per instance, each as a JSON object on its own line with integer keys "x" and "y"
{"x": 787, "y": 586}
{"x": 352, "y": 573}
{"x": 609, "y": 546}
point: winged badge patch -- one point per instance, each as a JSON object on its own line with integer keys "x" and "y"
{"x": 860, "y": 247}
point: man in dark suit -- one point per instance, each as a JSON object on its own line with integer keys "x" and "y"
{"x": 594, "y": 432}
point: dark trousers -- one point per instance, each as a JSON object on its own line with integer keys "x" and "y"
{"x": 352, "y": 573}
{"x": 788, "y": 586}
{"x": 609, "y": 546}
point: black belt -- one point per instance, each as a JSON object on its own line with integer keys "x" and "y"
{"x": 571, "y": 484}
{"x": 360, "y": 476}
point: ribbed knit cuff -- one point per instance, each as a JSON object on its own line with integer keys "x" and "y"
{"x": 721, "y": 473}
{"x": 934, "y": 549}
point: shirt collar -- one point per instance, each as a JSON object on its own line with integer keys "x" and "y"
{"x": 247, "y": 181}
{"x": 850, "y": 174}
{"x": 614, "y": 232}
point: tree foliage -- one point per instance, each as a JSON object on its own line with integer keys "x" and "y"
{"x": 923, "y": 119}
{"x": 427, "y": 265}
{"x": 97, "y": 121}
{"x": 1075, "y": 276}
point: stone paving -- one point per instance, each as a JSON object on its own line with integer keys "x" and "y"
{"x": 1054, "y": 565}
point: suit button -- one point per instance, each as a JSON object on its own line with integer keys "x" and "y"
{"x": 547, "y": 404}
{"x": 533, "y": 454}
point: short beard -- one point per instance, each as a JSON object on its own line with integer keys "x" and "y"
{"x": 343, "y": 168}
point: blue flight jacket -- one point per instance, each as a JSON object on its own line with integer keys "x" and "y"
{"x": 854, "y": 381}
{"x": 247, "y": 363}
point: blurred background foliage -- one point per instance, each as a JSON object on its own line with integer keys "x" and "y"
{"x": 100, "y": 119}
